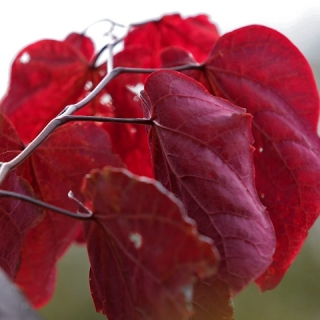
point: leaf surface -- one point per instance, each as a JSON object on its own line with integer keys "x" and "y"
{"x": 16, "y": 219}
{"x": 64, "y": 158}
{"x": 259, "y": 69}
{"x": 174, "y": 56}
{"x": 143, "y": 246}
{"x": 195, "y": 34}
{"x": 45, "y": 77}
{"x": 201, "y": 148}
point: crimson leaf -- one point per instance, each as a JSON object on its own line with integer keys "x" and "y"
{"x": 259, "y": 69}
{"x": 144, "y": 252}
{"x": 63, "y": 159}
{"x": 83, "y": 44}
{"x": 16, "y": 217}
{"x": 173, "y": 56}
{"x": 45, "y": 77}
{"x": 195, "y": 34}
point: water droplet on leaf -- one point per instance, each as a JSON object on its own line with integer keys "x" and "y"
{"x": 106, "y": 99}
{"x": 88, "y": 86}
{"x": 136, "y": 239}
{"x": 25, "y": 58}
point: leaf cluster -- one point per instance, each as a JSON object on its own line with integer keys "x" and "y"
{"x": 206, "y": 182}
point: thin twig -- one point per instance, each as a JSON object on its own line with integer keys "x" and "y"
{"x": 141, "y": 121}
{"x": 80, "y": 216}
{"x": 110, "y": 58}
{"x": 6, "y": 167}
{"x": 113, "y": 24}
{"x": 110, "y": 76}
{"x": 78, "y": 202}
{"x": 97, "y": 56}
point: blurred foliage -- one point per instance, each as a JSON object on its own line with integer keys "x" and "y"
{"x": 72, "y": 298}
{"x": 296, "y": 298}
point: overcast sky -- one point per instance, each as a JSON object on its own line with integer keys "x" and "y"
{"x": 26, "y": 21}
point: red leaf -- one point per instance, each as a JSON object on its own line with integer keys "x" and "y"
{"x": 63, "y": 68}
{"x": 259, "y": 69}
{"x": 45, "y": 77}
{"x": 144, "y": 253}
{"x": 9, "y": 139}
{"x": 82, "y": 43}
{"x": 175, "y": 56}
{"x": 201, "y": 148}
{"x": 16, "y": 219}
{"x": 63, "y": 159}
{"x": 265, "y": 61}
{"x": 195, "y": 34}
{"x": 130, "y": 140}
{"x": 172, "y": 57}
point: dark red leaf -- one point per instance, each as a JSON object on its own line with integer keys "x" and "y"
{"x": 144, "y": 251}
{"x": 45, "y": 77}
{"x": 9, "y": 139}
{"x": 265, "y": 61}
{"x": 63, "y": 159}
{"x": 259, "y": 69}
{"x": 13, "y": 306}
{"x": 201, "y": 148}
{"x": 16, "y": 219}
{"x": 37, "y": 273}
{"x": 173, "y": 56}
{"x": 195, "y": 34}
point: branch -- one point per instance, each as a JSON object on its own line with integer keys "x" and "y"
{"x": 64, "y": 116}
{"x": 141, "y": 121}
{"x": 109, "y": 46}
{"x": 79, "y": 215}
{"x": 113, "y": 74}
{"x": 97, "y": 56}
{"x": 113, "y": 24}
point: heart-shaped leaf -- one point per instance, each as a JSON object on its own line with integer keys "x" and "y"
{"x": 143, "y": 246}
{"x": 259, "y": 69}
{"x": 201, "y": 148}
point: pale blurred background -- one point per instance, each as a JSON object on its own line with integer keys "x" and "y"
{"x": 23, "y": 22}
